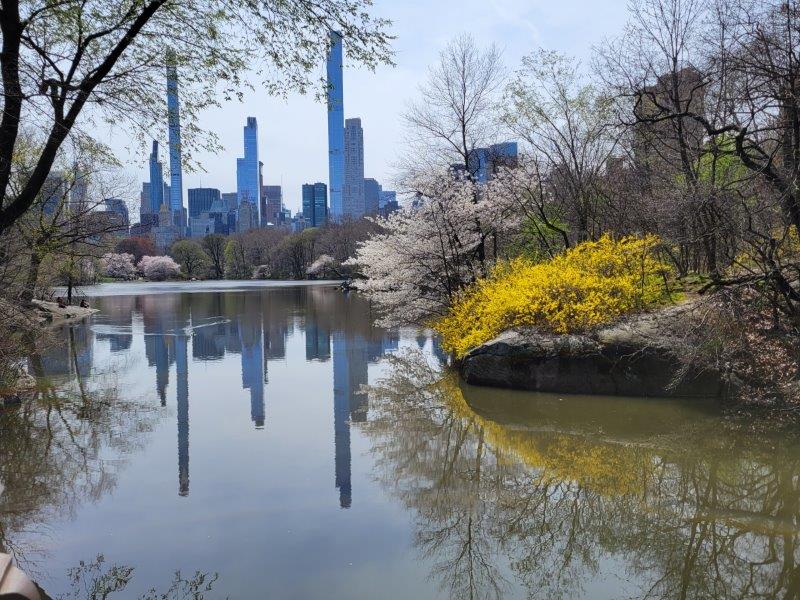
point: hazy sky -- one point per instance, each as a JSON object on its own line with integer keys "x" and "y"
{"x": 293, "y": 132}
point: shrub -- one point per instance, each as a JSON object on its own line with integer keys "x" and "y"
{"x": 118, "y": 266}
{"x": 591, "y": 284}
{"x": 159, "y": 268}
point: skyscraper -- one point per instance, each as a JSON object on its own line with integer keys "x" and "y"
{"x": 156, "y": 180}
{"x": 273, "y": 196}
{"x": 335, "y": 126}
{"x": 372, "y": 195}
{"x": 201, "y": 199}
{"x": 315, "y": 204}
{"x": 247, "y": 180}
{"x": 174, "y": 124}
{"x": 353, "y": 190}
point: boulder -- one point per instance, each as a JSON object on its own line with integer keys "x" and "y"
{"x": 635, "y": 357}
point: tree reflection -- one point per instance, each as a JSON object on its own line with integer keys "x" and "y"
{"x": 52, "y": 449}
{"x": 551, "y": 501}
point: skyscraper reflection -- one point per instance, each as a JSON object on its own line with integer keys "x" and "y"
{"x": 182, "y": 372}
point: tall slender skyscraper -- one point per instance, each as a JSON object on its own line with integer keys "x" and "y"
{"x": 247, "y": 180}
{"x": 353, "y": 191}
{"x": 174, "y": 123}
{"x": 156, "y": 180}
{"x": 335, "y": 127}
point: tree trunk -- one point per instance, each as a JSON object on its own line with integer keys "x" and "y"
{"x": 30, "y": 283}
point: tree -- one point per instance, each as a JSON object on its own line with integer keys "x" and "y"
{"x": 159, "y": 268}
{"x": 236, "y": 263}
{"x": 214, "y": 246}
{"x": 193, "y": 260}
{"x": 66, "y": 65}
{"x": 566, "y": 124}
{"x": 424, "y": 256}
{"x": 456, "y": 111}
{"x": 118, "y": 266}
{"x": 137, "y": 246}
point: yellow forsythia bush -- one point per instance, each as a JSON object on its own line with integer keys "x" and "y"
{"x": 590, "y": 284}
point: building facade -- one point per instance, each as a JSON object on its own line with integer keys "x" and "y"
{"x": 353, "y": 189}
{"x": 315, "y": 204}
{"x": 201, "y": 199}
{"x": 174, "y": 130}
{"x": 372, "y": 196}
{"x": 156, "y": 181}
{"x": 335, "y": 98}
{"x": 273, "y": 203}
{"x": 247, "y": 179}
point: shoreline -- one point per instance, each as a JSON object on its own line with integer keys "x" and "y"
{"x": 135, "y": 288}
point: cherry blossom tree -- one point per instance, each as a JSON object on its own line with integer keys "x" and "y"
{"x": 424, "y": 255}
{"x": 118, "y": 266}
{"x": 159, "y": 268}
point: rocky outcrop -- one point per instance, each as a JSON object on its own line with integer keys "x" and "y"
{"x": 51, "y": 312}
{"x": 637, "y": 357}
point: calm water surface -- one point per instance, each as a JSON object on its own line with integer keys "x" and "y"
{"x": 231, "y": 431}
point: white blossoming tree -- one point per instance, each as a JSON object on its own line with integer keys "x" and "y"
{"x": 118, "y": 266}
{"x": 159, "y": 268}
{"x": 427, "y": 253}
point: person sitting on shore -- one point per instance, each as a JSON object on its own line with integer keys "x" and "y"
{"x": 60, "y": 302}
{"x": 84, "y": 304}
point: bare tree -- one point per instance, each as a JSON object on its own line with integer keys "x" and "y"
{"x": 456, "y": 111}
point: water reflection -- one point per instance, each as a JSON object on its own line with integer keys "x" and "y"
{"x": 54, "y": 445}
{"x": 586, "y": 497}
{"x": 252, "y": 325}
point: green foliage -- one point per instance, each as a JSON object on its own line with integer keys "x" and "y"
{"x": 191, "y": 256}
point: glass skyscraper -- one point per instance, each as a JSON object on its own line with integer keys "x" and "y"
{"x": 353, "y": 192}
{"x": 315, "y": 204}
{"x": 156, "y": 180}
{"x": 247, "y": 180}
{"x": 174, "y": 123}
{"x": 335, "y": 126}
{"x": 201, "y": 199}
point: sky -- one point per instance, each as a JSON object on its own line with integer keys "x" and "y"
{"x": 293, "y": 132}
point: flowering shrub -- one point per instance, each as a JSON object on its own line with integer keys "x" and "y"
{"x": 118, "y": 266}
{"x": 591, "y": 284}
{"x": 159, "y": 268}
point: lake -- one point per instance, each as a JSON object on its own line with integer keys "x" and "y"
{"x": 274, "y": 440}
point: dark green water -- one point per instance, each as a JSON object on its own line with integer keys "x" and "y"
{"x": 227, "y": 431}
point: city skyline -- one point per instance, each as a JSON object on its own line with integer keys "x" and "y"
{"x": 296, "y": 126}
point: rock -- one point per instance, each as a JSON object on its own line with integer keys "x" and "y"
{"x": 52, "y": 312}
{"x": 629, "y": 358}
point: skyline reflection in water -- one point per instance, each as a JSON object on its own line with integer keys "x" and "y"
{"x": 274, "y": 436}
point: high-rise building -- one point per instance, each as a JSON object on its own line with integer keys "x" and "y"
{"x": 247, "y": 217}
{"x": 320, "y": 204}
{"x": 483, "y": 163}
{"x": 372, "y": 196}
{"x": 78, "y": 198}
{"x": 335, "y": 126}
{"x": 174, "y": 126}
{"x": 353, "y": 189}
{"x": 386, "y": 196}
{"x": 308, "y": 202}
{"x": 118, "y": 207}
{"x": 247, "y": 181}
{"x": 156, "y": 180}
{"x": 54, "y": 193}
{"x": 315, "y": 204}
{"x": 201, "y": 199}
{"x": 273, "y": 202}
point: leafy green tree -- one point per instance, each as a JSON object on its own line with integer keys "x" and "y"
{"x": 236, "y": 264}
{"x": 193, "y": 260}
